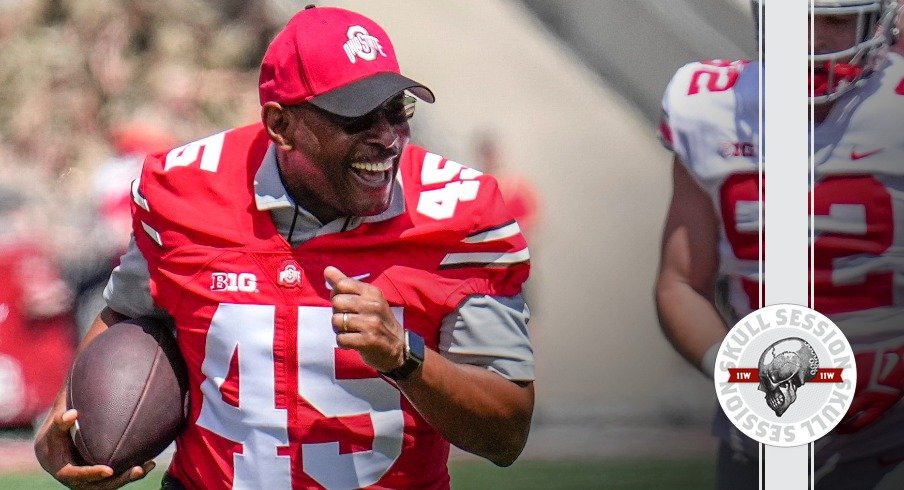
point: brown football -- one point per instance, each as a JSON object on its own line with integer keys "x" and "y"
{"x": 131, "y": 391}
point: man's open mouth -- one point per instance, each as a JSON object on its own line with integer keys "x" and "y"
{"x": 372, "y": 174}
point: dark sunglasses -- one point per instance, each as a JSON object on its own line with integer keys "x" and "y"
{"x": 396, "y": 110}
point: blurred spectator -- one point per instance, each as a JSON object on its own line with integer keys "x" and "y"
{"x": 111, "y": 181}
{"x": 110, "y": 204}
{"x": 519, "y": 194}
{"x": 37, "y": 336}
{"x": 72, "y": 72}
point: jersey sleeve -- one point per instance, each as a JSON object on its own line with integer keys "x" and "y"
{"x": 493, "y": 253}
{"x": 709, "y": 107}
{"x": 672, "y": 99}
{"x": 459, "y": 214}
{"x": 490, "y": 332}
{"x": 128, "y": 291}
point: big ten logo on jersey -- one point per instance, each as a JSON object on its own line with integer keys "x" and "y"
{"x": 207, "y": 150}
{"x": 244, "y": 282}
{"x": 459, "y": 185}
{"x": 730, "y": 149}
{"x": 854, "y": 228}
{"x": 715, "y": 75}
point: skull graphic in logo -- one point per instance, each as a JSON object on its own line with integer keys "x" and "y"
{"x": 784, "y": 367}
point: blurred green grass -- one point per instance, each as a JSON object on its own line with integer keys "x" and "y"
{"x": 523, "y": 475}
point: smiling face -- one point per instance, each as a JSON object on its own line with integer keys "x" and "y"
{"x": 334, "y": 166}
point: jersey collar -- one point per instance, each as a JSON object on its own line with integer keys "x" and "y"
{"x": 270, "y": 195}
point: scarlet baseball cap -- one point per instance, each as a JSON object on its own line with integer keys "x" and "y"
{"x": 337, "y": 60}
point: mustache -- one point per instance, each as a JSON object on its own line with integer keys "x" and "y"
{"x": 378, "y": 156}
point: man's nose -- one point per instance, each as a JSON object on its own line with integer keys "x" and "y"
{"x": 382, "y": 132}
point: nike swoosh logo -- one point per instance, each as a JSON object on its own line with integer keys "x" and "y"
{"x": 857, "y": 156}
{"x": 357, "y": 278}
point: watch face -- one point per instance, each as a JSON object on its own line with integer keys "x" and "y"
{"x": 415, "y": 346}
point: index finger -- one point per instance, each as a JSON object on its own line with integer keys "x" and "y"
{"x": 71, "y": 474}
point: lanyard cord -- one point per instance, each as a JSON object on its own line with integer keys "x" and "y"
{"x": 292, "y": 226}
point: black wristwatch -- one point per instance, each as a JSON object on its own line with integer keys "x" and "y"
{"x": 414, "y": 357}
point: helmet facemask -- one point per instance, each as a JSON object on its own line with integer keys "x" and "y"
{"x": 834, "y": 73}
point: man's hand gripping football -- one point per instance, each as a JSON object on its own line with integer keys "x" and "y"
{"x": 363, "y": 321}
{"x": 57, "y": 455}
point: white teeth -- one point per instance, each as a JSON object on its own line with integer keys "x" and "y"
{"x": 372, "y": 167}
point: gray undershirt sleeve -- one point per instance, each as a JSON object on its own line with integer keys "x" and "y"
{"x": 128, "y": 291}
{"x": 490, "y": 332}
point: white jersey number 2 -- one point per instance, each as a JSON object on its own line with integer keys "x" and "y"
{"x": 262, "y": 429}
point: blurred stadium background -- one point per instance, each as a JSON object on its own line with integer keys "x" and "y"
{"x": 568, "y": 92}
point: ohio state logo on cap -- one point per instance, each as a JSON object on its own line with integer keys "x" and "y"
{"x": 335, "y": 59}
{"x": 362, "y": 45}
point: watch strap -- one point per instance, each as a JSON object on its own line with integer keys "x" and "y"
{"x": 414, "y": 357}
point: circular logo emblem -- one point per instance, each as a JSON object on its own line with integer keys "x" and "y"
{"x": 785, "y": 375}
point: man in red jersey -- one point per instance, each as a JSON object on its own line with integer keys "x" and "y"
{"x": 370, "y": 289}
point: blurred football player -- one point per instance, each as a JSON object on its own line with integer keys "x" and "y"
{"x": 709, "y": 274}
{"x": 347, "y": 304}
{"x": 37, "y": 331}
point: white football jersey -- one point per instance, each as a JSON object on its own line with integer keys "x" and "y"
{"x": 710, "y": 120}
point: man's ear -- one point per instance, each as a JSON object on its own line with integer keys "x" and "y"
{"x": 277, "y": 121}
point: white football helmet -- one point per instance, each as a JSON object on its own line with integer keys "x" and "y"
{"x": 836, "y": 72}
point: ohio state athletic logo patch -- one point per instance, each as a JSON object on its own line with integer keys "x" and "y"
{"x": 289, "y": 275}
{"x": 362, "y": 45}
{"x": 785, "y": 375}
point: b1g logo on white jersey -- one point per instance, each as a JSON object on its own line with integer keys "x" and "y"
{"x": 244, "y": 282}
{"x": 362, "y": 45}
{"x": 731, "y": 149}
{"x": 785, "y": 375}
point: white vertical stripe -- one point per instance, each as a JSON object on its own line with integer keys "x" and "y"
{"x": 786, "y": 159}
{"x": 786, "y": 155}
{"x": 786, "y": 467}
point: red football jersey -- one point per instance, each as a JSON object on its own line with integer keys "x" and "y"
{"x": 275, "y": 403}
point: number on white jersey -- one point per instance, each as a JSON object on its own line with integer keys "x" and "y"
{"x": 718, "y": 75}
{"x": 854, "y": 225}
